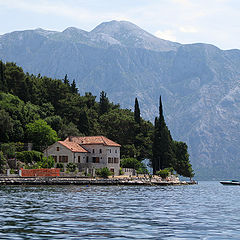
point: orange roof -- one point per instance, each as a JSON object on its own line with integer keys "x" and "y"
{"x": 96, "y": 140}
{"x": 73, "y": 146}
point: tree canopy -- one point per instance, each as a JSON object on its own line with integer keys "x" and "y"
{"x": 166, "y": 152}
{"x": 41, "y": 134}
{"x": 41, "y": 110}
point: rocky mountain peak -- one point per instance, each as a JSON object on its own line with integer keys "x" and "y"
{"x": 131, "y": 35}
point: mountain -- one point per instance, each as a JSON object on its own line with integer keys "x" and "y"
{"x": 199, "y": 83}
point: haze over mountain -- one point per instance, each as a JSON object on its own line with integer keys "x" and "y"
{"x": 199, "y": 83}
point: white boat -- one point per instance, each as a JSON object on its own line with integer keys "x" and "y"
{"x": 232, "y": 182}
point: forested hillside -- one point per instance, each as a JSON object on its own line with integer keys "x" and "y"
{"x": 26, "y": 98}
{"x": 42, "y": 110}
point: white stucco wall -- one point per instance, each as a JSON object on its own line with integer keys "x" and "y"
{"x": 63, "y": 151}
{"x": 106, "y": 152}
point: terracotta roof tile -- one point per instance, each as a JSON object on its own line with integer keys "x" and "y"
{"x": 73, "y": 146}
{"x": 98, "y": 140}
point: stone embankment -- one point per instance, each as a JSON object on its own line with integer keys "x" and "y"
{"x": 89, "y": 181}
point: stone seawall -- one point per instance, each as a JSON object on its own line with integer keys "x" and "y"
{"x": 86, "y": 181}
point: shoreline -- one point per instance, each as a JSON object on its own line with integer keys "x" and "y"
{"x": 88, "y": 181}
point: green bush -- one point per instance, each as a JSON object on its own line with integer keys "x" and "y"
{"x": 47, "y": 162}
{"x": 121, "y": 171}
{"x": 135, "y": 164}
{"x": 71, "y": 167}
{"x": 163, "y": 173}
{"x": 8, "y": 149}
{"x": 61, "y": 166}
{"x": 142, "y": 170}
{"x": 130, "y": 163}
{"x": 103, "y": 172}
{"x": 2, "y": 162}
{"x": 29, "y": 157}
{"x": 170, "y": 170}
{"x": 44, "y": 163}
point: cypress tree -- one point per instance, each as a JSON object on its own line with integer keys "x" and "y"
{"x": 136, "y": 112}
{"x": 138, "y": 136}
{"x": 3, "y": 84}
{"x": 163, "y": 154}
{"x": 156, "y": 147}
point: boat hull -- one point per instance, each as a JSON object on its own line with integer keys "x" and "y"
{"x": 230, "y": 182}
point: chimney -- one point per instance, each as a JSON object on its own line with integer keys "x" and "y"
{"x": 70, "y": 138}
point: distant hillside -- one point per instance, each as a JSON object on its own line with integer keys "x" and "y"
{"x": 199, "y": 83}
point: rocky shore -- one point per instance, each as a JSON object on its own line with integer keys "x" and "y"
{"x": 89, "y": 181}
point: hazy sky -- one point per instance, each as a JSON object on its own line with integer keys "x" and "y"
{"x": 185, "y": 21}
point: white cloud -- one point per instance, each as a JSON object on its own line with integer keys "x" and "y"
{"x": 183, "y": 2}
{"x": 167, "y": 35}
{"x": 47, "y": 7}
{"x": 188, "y": 29}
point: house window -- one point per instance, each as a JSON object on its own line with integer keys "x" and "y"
{"x": 110, "y": 150}
{"x": 110, "y": 160}
{"x": 87, "y": 160}
{"x": 63, "y": 159}
{"x": 100, "y": 150}
{"x": 79, "y": 159}
{"x": 112, "y": 170}
{"x": 116, "y": 151}
{"x": 115, "y": 160}
{"x": 58, "y": 149}
{"x": 54, "y": 158}
{"x": 95, "y": 159}
{"x": 93, "y": 151}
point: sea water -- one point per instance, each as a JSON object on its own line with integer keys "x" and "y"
{"x": 208, "y": 210}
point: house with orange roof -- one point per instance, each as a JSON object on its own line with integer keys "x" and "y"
{"x": 88, "y": 153}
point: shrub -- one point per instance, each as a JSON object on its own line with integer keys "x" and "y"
{"x": 103, "y": 172}
{"x": 29, "y": 157}
{"x": 163, "y": 173}
{"x": 135, "y": 164}
{"x": 120, "y": 171}
{"x": 61, "y": 166}
{"x": 170, "y": 170}
{"x": 8, "y": 149}
{"x": 142, "y": 170}
{"x": 48, "y": 162}
{"x": 44, "y": 163}
{"x": 130, "y": 163}
{"x": 71, "y": 167}
{"x": 2, "y": 162}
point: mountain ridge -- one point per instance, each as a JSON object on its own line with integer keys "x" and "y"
{"x": 199, "y": 83}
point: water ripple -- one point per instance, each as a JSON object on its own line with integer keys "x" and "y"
{"x": 205, "y": 211}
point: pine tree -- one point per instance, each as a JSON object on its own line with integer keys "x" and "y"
{"x": 65, "y": 80}
{"x": 74, "y": 89}
{"x": 104, "y": 104}
{"x": 84, "y": 123}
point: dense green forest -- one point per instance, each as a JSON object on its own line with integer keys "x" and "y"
{"x": 42, "y": 110}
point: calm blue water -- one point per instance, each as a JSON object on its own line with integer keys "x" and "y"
{"x": 208, "y": 210}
